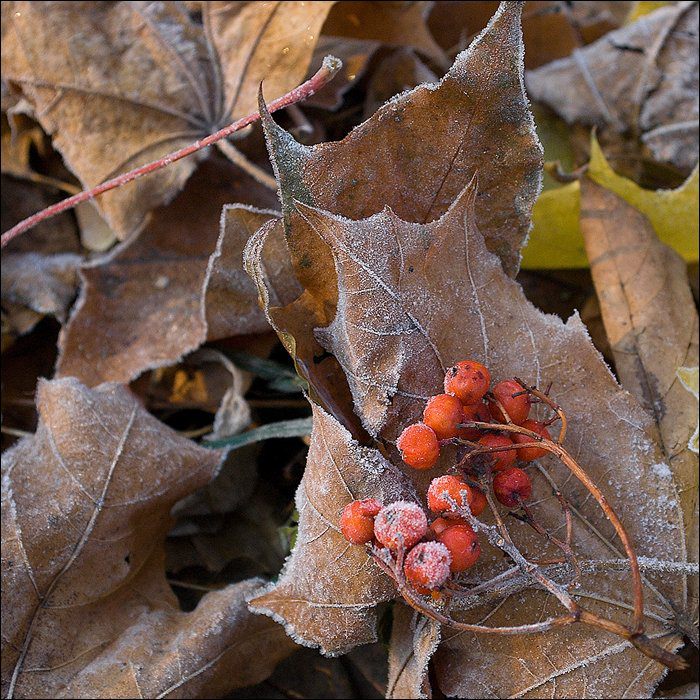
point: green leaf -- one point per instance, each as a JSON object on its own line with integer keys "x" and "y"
{"x": 296, "y": 427}
{"x": 279, "y": 377}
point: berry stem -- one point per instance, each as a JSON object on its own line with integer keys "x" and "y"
{"x": 328, "y": 70}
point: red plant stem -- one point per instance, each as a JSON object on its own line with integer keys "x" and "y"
{"x": 328, "y": 70}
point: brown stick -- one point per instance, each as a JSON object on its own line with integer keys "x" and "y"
{"x": 328, "y": 70}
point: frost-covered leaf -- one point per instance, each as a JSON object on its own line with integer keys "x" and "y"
{"x": 175, "y": 81}
{"x": 399, "y": 287}
{"x": 689, "y": 379}
{"x": 328, "y": 592}
{"x": 418, "y": 151}
{"x": 414, "y": 639}
{"x": 86, "y": 608}
{"x": 641, "y": 80}
{"x": 157, "y": 297}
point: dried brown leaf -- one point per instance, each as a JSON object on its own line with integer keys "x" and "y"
{"x": 408, "y": 158}
{"x": 86, "y": 608}
{"x": 328, "y": 592}
{"x": 652, "y": 325}
{"x": 641, "y": 81}
{"x": 175, "y": 81}
{"x": 160, "y": 296}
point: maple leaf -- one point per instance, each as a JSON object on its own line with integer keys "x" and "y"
{"x": 86, "y": 608}
{"x": 640, "y": 80}
{"x": 176, "y": 80}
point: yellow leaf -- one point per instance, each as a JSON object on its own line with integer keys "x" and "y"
{"x": 689, "y": 379}
{"x": 556, "y": 240}
{"x": 644, "y": 7}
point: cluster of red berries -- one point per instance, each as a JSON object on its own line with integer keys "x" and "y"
{"x": 449, "y": 544}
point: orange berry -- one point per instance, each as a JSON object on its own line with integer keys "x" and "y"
{"x": 512, "y": 486}
{"x": 474, "y": 411}
{"x": 463, "y": 545}
{"x": 443, "y": 413}
{"x": 502, "y": 459}
{"x": 456, "y": 489}
{"x": 419, "y": 446}
{"x": 357, "y": 520}
{"x": 528, "y": 454}
{"x": 517, "y": 407}
{"x": 427, "y": 566}
{"x": 478, "y": 503}
{"x": 468, "y": 381}
{"x": 400, "y": 522}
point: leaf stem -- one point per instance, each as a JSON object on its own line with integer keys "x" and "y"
{"x": 328, "y": 70}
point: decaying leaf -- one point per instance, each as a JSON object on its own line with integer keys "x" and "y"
{"x": 414, "y": 639}
{"x": 176, "y": 80}
{"x": 406, "y": 158}
{"x": 689, "y": 379}
{"x": 160, "y": 296}
{"x": 86, "y": 608}
{"x": 641, "y": 80}
{"x": 328, "y": 592}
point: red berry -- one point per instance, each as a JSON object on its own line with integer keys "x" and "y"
{"x": 517, "y": 407}
{"x": 427, "y": 566}
{"x": 443, "y": 413}
{"x": 528, "y": 454}
{"x": 357, "y": 520}
{"x": 478, "y": 503}
{"x": 502, "y": 459}
{"x": 468, "y": 381}
{"x": 512, "y": 486}
{"x": 474, "y": 411}
{"x": 463, "y": 545}
{"x": 454, "y": 486}
{"x": 398, "y": 522}
{"x": 419, "y": 446}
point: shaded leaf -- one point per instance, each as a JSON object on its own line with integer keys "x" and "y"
{"x": 405, "y": 143}
{"x": 641, "y": 80}
{"x": 414, "y": 639}
{"x": 151, "y": 300}
{"x": 86, "y": 609}
{"x": 296, "y": 427}
{"x": 328, "y": 592}
{"x": 175, "y": 82}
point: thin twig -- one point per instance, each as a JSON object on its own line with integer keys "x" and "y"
{"x": 328, "y": 70}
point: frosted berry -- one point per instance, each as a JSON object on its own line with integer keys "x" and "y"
{"x": 478, "y": 503}
{"x": 456, "y": 489}
{"x": 427, "y": 566}
{"x": 468, "y": 381}
{"x": 512, "y": 486}
{"x": 499, "y": 460}
{"x": 528, "y": 454}
{"x": 440, "y": 524}
{"x": 419, "y": 446}
{"x": 474, "y": 411}
{"x": 443, "y": 413}
{"x": 517, "y": 407}
{"x": 398, "y": 522}
{"x": 357, "y": 520}
{"x": 463, "y": 545}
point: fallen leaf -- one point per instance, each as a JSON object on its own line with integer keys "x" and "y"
{"x": 86, "y": 608}
{"x": 689, "y": 379}
{"x": 176, "y": 81}
{"x": 405, "y": 143}
{"x": 640, "y": 81}
{"x": 394, "y": 334}
{"x": 414, "y": 639}
{"x": 328, "y": 592}
{"x": 159, "y": 296}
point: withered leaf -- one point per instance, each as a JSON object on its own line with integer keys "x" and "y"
{"x": 160, "y": 296}
{"x": 175, "y": 81}
{"x": 418, "y": 151}
{"x": 400, "y": 286}
{"x": 652, "y": 325}
{"x": 414, "y": 639}
{"x": 328, "y": 592}
{"x": 641, "y": 80}
{"x": 86, "y": 608}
